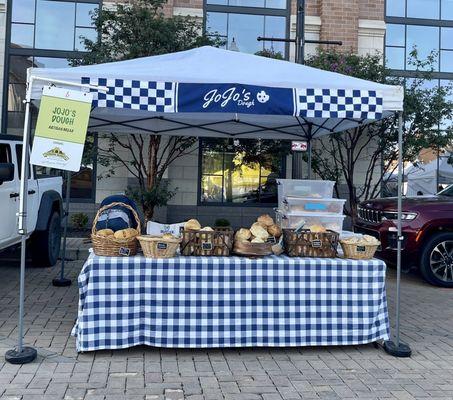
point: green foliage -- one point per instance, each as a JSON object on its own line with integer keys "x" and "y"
{"x": 79, "y": 220}
{"x": 373, "y": 148}
{"x": 222, "y": 222}
{"x": 156, "y": 196}
{"x": 270, "y": 53}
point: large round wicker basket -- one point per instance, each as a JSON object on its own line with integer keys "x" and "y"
{"x": 158, "y": 247}
{"x": 109, "y": 245}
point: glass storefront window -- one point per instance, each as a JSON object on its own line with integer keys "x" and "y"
{"x": 446, "y": 38}
{"x": 395, "y": 57}
{"x": 395, "y": 35}
{"x": 84, "y": 12}
{"x": 428, "y": 9}
{"x": 22, "y": 35}
{"x": 226, "y": 177}
{"x": 279, "y": 4}
{"x": 446, "y": 60}
{"x": 395, "y": 8}
{"x": 447, "y": 10}
{"x": 55, "y": 25}
{"x": 425, "y": 39}
{"x": 80, "y": 35}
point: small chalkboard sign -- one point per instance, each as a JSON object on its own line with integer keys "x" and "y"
{"x": 316, "y": 243}
{"x": 206, "y": 245}
{"x": 124, "y": 251}
{"x": 162, "y": 246}
{"x": 361, "y": 249}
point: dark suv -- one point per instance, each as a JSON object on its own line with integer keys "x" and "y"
{"x": 427, "y": 231}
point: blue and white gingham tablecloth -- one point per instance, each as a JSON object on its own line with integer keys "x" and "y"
{"x": 193, "y": 302}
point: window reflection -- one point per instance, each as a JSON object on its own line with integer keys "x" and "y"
{"x": 55, "y": 25}
{"x": 447, "y": 9}
{"x": 423, "y": 9}
{"x": 84, "y": 14}
{"x": 280, "y": 4}
{"x": 395, "y": 35}
{"x": 245, "y": 29}
{"x": 395, "y": 8}
{"x": 425, "y": 39}
{"x": 22, "y": 35}
{"x": 395, "y": 58}
{"x": 23, "y": 11}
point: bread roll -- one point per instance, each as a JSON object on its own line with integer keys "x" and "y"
{"x": 192, "y": 225}
{"x": 257, "y": 240}
{"x": 105, "y": 232}
{"x": 168, "y": 236}
{"x": 265, "y": 220}
{"x": 259, "y": 232}
{"x": 274, "y": 230}
{"x": 317, "y": 229}
{"x": 242, "y": 235}
{"x": 207, "y": 229}
{"x": 125, "y": 233}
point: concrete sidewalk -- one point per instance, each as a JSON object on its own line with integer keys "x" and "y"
{"x": 360, "y": 372}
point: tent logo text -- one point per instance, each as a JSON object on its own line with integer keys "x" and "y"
{"x": 242, "y": 98}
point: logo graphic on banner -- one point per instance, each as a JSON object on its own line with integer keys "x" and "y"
{"x": 299, "y": 145}
{"x": 61, "y": 128}
{"x": 234, "y": 98}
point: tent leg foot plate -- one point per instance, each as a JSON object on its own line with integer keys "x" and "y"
{"x": 61, "y": 282}
{"x": 27, "y": 355}
{"x": 403, "y": 350}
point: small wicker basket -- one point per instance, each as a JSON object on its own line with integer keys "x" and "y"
{"x": 109, "y": 245}
{"x": 158, "y": 247}
{"x": 359, "y": 251}
{"x": 310, "y": 244}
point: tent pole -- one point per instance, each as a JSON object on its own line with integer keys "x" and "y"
{"x": 21, "y": 354}
{"x": 62, "y": 281}
{"x": 398, "y": 348}
{"x": 309, "y": 159}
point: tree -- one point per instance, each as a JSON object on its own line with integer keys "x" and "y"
{"x": 373, "y": 147}
{"x": 129, "y": 31}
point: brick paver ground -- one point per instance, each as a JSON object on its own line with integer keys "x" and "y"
{"x": 361, "y": 372}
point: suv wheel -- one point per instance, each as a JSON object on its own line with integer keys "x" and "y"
{"x": 45, "y": 245}
{"x": 437, "y": 260}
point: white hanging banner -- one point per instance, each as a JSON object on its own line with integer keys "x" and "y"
{"x": 61, "y": 128}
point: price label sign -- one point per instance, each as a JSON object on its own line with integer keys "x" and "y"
{"x": 299, "y": 145}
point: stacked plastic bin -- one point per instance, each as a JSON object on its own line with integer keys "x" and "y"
{"x": 308, "y": 203}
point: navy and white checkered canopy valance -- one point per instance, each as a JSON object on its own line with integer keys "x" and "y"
{"x": 172, "y": 97}
{"x": 212, "y": 92}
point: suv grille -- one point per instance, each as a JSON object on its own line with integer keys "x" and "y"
{"x": 369, "y": 215}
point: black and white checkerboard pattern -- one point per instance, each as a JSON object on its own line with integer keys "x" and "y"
{"x": 339, "y": 103}
{"x": 198, "y": 302}
{"x": 133, "y": 94}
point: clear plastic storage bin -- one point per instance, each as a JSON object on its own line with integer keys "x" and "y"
{"x": 333, "y": 222}
{"x": 304, "y": 188}
{"x": 298, "y": 204}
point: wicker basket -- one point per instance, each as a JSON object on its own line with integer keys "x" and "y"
{"x": 359, "y": 251}
{"x": 218, "y": 242}
{"x": 249, "y": 249}
{"x": 158, "y": 247}
{"x": 310, "y": 244}
{"x": 109, "y": 245}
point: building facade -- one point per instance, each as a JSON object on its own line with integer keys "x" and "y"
{"x": 46, "y": 33}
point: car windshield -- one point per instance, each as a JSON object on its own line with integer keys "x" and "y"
{"x": 448, "y": 191}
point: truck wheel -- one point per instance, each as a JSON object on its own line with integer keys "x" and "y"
{"x": 436, "y": 263}
{"x": 45, "y": 247}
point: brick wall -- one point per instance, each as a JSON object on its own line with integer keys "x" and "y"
{"x": 371, "y": 9}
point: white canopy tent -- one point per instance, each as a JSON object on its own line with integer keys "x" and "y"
{"x": 211, "y": 92}
{"x": 424, "y": 178}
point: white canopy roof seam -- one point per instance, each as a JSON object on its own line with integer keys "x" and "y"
{"x": 212, "y": 92}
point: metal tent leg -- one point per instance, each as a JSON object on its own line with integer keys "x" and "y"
{"x": 397, "y": 348}
{"x": 21, "y": 354}
{"x": 62, "y": 281}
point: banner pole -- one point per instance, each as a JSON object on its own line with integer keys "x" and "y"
{"x": 22, "y": 354}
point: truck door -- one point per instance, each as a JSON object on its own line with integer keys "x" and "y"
{"x": 9, "y": 201}
{"x": 33, "y": 192}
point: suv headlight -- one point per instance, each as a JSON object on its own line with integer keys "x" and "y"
{"x": 393, "y": 215}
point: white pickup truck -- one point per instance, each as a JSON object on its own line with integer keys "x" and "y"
{"x": 44, "y": 206}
